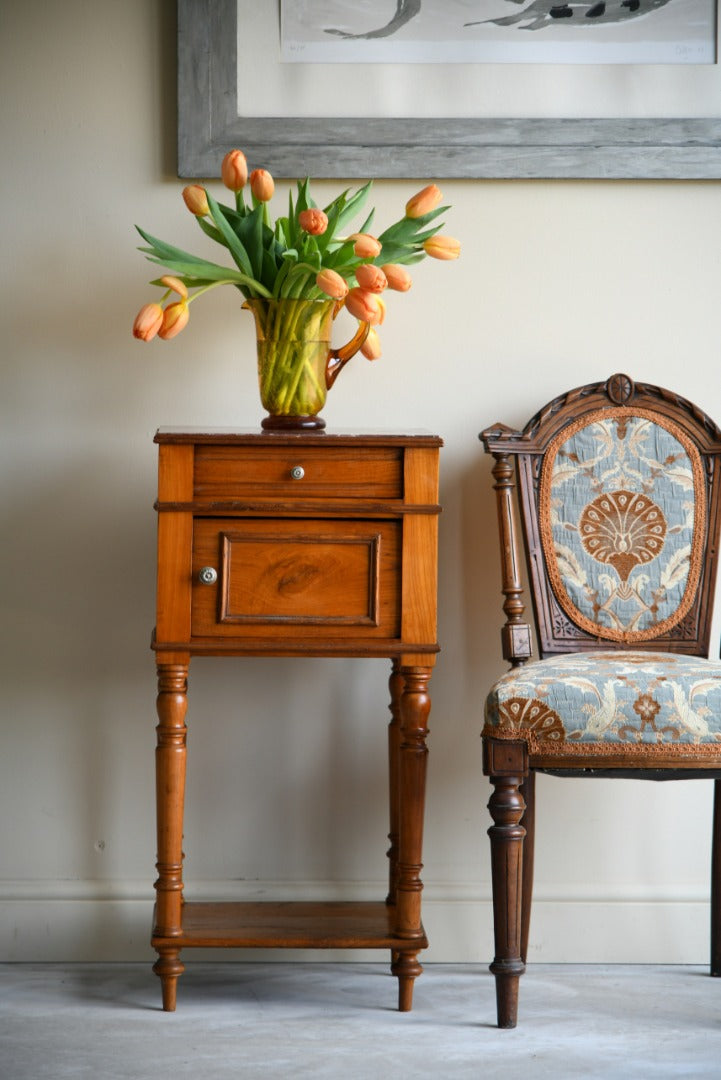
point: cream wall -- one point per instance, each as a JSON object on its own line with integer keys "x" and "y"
{"x": 559, "y": 283}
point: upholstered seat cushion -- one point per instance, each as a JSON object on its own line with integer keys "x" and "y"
{"x": 632, "y": 702}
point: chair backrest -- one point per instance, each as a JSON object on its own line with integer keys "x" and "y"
{"x": 619, "y": 496}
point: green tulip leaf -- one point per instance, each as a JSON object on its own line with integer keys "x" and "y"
{"x": 408, "y": 229}
{"x": 211, "y": 231}
{"x": 250, "y": 234}
{"x": 235, "y": 247}
{"x": 353, "y": 205}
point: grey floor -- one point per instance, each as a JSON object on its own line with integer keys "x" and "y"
{"x": 339, "y": 1020}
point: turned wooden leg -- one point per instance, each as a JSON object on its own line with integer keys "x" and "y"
{"x": 170, "y": 793}
{"x": 528, "y": 821}
{"x": 716, "y": 882}
{"x": 414, "y": 711}
{"x": 395, "y": 685}
{"x": 168, "y": 967}
{"x": 506, "y": 763}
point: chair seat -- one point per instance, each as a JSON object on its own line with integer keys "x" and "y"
{"x": 662, "y": 707}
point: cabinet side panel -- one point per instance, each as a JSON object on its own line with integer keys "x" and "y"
{"x": 420, "y": 579}
{"x": 175, "y": 541}
{"x": 420, "y": 547}
{"x": 420, "y": 479}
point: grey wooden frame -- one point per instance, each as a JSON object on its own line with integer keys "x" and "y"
{"x": 209, "y": 125}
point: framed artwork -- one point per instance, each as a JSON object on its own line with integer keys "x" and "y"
{"x": 498, "y": 31}
{"x": 251, "y": 75}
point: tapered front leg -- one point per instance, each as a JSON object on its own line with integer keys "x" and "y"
{"x": 414, "y": 711}
{"x": 506, "y": 806}
{"x": 170, "y": 794}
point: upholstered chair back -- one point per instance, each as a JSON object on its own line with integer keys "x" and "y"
{"x": 620, "y": 498}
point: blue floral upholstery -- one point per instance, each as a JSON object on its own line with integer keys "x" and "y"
{"x": 623, "y": 519}
{"x": 660, "y": 702}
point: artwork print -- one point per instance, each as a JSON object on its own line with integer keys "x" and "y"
{"x": 499, "y": 31}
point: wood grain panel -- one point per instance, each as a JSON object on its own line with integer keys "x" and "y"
{"x": 309, "y": 577}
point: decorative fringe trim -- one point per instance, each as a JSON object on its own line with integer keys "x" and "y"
{"x": 650, "y": 754}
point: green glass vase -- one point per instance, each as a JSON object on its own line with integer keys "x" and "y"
{"x": 296, "y": 364}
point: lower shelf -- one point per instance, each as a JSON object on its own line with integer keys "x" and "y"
{"x": 290, "y": 925}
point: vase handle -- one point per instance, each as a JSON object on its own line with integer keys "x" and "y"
{"x": 338, "y": 358}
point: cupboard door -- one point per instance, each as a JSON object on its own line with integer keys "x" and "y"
{"x": 311, "y": 578}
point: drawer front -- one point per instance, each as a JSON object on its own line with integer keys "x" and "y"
{"x": 225, "y": 473}
{"x": 297, "y": 579}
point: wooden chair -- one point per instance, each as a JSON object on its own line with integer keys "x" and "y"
{"x": 619, "y": 493}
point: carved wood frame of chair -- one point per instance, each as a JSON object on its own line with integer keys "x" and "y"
{"x": 522, "y": 735}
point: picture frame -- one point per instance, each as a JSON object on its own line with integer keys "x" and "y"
{"x": 210, "y": 123}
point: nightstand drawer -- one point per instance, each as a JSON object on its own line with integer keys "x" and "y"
{"x": 305, "y": 472}
{"x": 306, "y": 579}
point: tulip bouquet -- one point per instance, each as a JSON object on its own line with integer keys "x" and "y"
{"x": 309, "y": 254}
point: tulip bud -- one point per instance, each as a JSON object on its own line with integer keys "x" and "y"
{"x": 234, "y": 170}
{"x": 196, "y": 200}
{"x": 262, "y": 185}
{"x": 397, "y": 277}
{"x": 371, "y": 347}
{"x": 332, "y": 284}
{"x": 313, "y": 221}
{"x": 147, "y": 322}
{"x": 423, "y": 202}
{"x": 175, "y": 319}
{"x": 366, "y": 246}
{"x": 371, "y": 277}
{"x": 363, "y": 305}
{"x": 442, "y": 247}
{"x": 175, "y": 284}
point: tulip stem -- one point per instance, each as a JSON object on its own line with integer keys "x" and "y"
{"x": 252, "y": 284}
{"x": 293, "y": 350}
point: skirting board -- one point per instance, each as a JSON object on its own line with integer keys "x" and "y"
{"x": 110, "y": 922}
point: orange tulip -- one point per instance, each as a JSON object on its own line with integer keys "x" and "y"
{"x": 332, "y": 284}
{"x": 147, "y": 322}
{"x": 364, "y": 305}
{"x": 371, "y": 347}
{"x": 262, "y": 185}
{"x": 196, "y": 200}
{"x": 175, "y": 319}
{"x": 234, "y": 170}
{"x": 371, "y": 277}
{"x": 397, "y": 277}
{"x": 313, "y": 221}
{"x": 366, "y": 246}
{"x": 442, "y": 247}
{"x": 423, "y": 202}
{"x": 175, "y": 284}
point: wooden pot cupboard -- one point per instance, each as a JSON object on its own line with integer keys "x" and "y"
{"x": 296, "y": 544}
